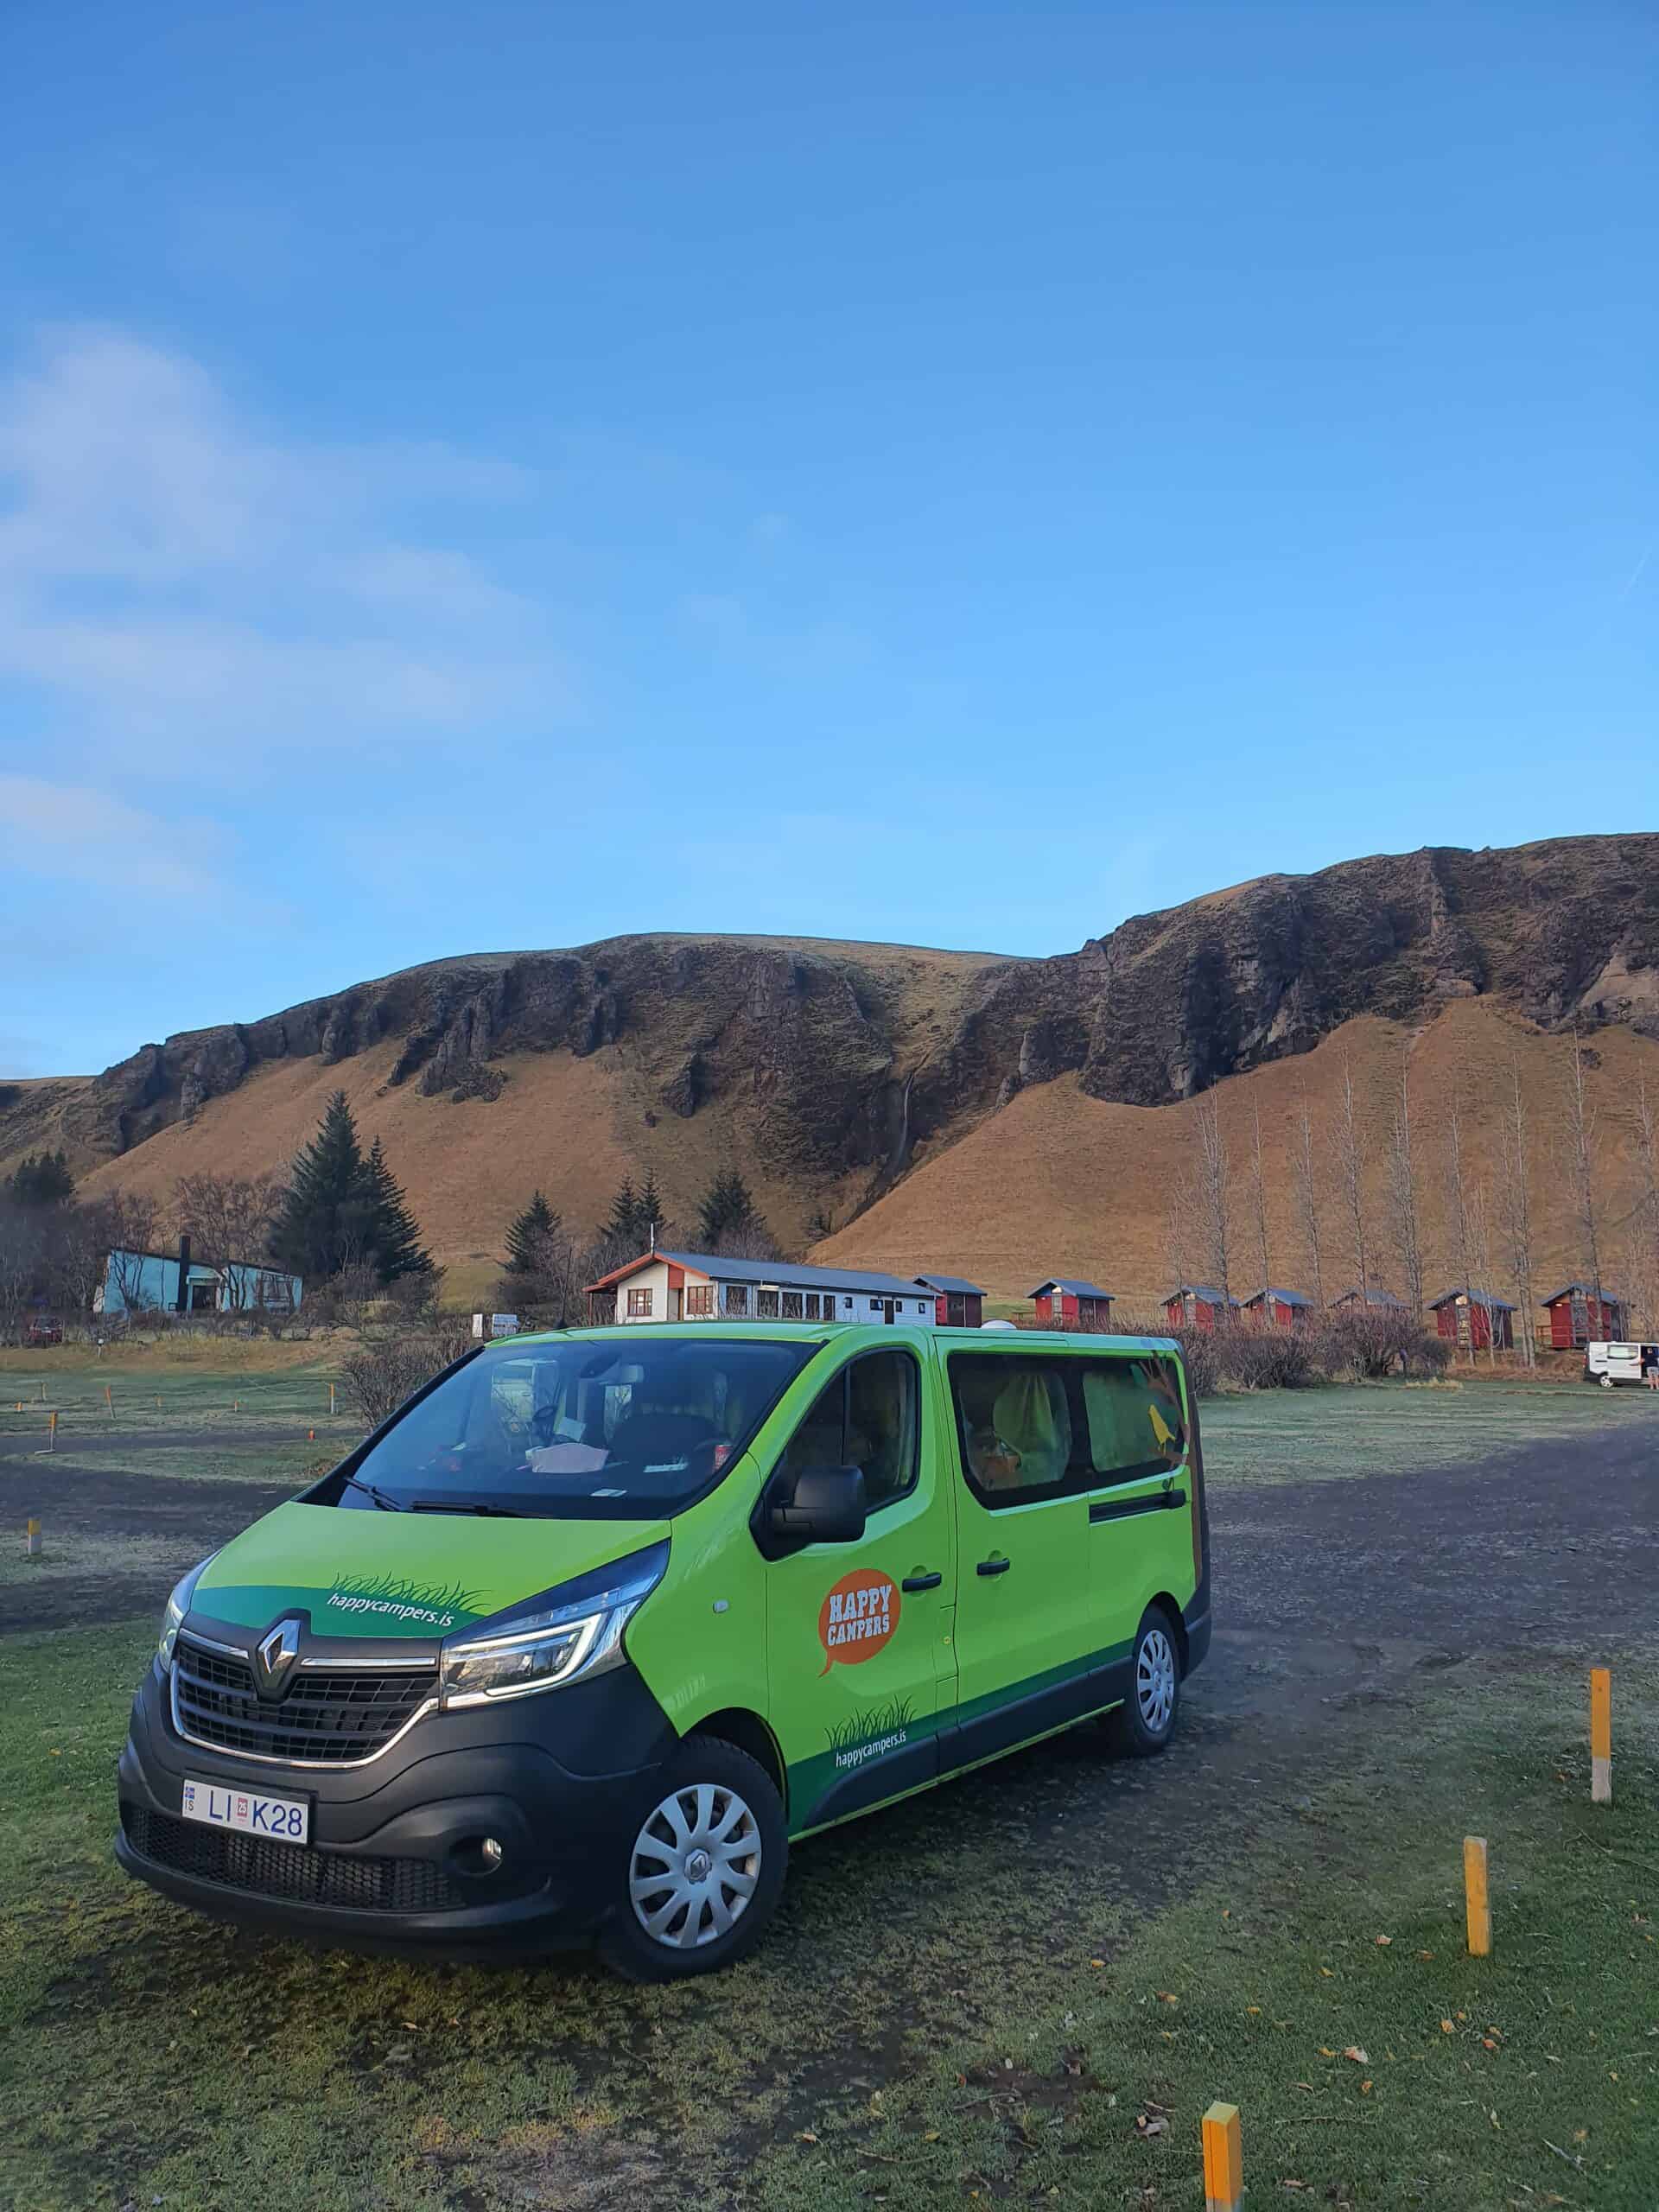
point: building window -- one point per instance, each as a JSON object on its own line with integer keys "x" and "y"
{"x": 875, "y": 1305}
{"x": 700, "y": 1298}
{"x": 737, "y": 1298}
{"x": 766, "y": 1305}
{"x": 791, "y": 1305}
{"x": 811, "y": 1305}
{"x": 638, "y": 1305}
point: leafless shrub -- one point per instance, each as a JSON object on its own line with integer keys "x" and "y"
{"x": 1198, "y": 1357}
{"x": 1270, "y": 1359}
{"x": 1376, "y": 1341}
{"x": 391, "y": 1363}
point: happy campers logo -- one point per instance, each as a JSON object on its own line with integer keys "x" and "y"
{"x": 858, "y": 1617}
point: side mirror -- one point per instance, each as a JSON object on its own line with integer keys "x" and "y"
{"x": 817, "y": 1505}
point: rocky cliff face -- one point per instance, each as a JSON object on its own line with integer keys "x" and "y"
{"x": 844, "y": 1058}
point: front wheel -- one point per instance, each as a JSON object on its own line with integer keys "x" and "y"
{"x": 1145, "y": 1720}
{"x": 704, "y": 1870}
{"x": 1606, "y": 1382}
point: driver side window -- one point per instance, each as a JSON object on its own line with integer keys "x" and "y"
{"x": 865, "y": 1416}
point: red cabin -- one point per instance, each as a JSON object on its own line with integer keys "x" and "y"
{"x": 956, "y": 1304}
{"x": 1062, "y": 1302}
{"x": 1579, "y": 1314}
{"x": 1198, "y": 1306}
{"x": 1278, "y": 1309}
{"x": 1474, "y": 1318}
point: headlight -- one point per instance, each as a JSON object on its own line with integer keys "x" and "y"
{"x": 571, "y": 1632}
{"x": 178, "y": 1605}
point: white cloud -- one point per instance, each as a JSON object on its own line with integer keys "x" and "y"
{"x": 77, "y": 834}
{"x": 197, "y": 592}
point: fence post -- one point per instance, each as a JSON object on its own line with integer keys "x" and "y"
{"x": 1601, "y": 1736}
{"x": 1223, "y": 2174}
{"x": 51, "y": 1429}
{"x": 32, "y": 1540}
{"x": 1475, "y": 1896}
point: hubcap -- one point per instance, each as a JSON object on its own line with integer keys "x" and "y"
{"x": 1154, "y": 1679}
{"x": 695, "y": 1867}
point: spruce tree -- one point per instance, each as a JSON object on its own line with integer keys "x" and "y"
{"x": 624, "y": 1212}
{"x": 727, "y": 1206}
{"x": 526, "y": 1233}
{"x": 42, "y": 1178}
{"x": 394, "y": 1240}
{"x": 321, "y": 1223}
{"x": 648, "y": 1212}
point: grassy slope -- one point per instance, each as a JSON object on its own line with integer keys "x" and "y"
{"x": 1060, "y": 1184}
{"x": 1055, "y": 1183}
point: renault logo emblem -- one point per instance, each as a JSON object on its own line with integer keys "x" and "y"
{"x": 278, "y": 1652}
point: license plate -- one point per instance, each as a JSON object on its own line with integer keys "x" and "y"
{"x": 285, "y": 1820}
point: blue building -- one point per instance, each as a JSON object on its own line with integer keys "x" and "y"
{"x": 154, "y": 1282}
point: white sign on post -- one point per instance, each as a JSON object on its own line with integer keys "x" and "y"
{"x": 504, "y": 1325}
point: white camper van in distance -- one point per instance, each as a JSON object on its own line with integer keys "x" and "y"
{"x": 1608, "y": 1364}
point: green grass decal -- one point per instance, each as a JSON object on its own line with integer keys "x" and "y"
{"x": 399, "y": 1589}
{"x": 885, "y": 1721}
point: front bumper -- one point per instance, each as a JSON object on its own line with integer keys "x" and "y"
{"x": 561, "y": 1781}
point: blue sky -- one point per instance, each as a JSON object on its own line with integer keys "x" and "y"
{"x": 500, "y": 476}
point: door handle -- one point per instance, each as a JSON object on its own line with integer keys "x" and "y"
{"x": 994, "y": 1567}
{"x": 922, "y": 1581}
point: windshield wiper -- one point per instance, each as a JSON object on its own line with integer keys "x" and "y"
{"x": 464, "y": 1505}
{"x": 382, "y": 1499}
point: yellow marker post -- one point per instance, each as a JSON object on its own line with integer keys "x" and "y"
{"x": 1601, "y": 1736}
{"x": 1224, "y": 2172}
{"x": 32, "y": 1539}
{"x": 1475, "y": 1892}
{"x": 331, "y": 1397}
{"x": 108, "y": 1401}
{"x": 52, "y": 1430}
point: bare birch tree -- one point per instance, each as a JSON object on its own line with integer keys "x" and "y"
{"x": 1305, "y": 1189}
{"x": 1402, "y": 1193}
{"x": 1350, "y": 1163}
{"x": 1214, "y": 1194}
{"x": 1480, "y": 1252}
{"x": 1515, "y": 1209}
{"x": 1460, "y": 1196}
{"x": 1644, "y": 1227}
{"x": 1580, "y": 1142}
{"x": 1259, "y": 1194}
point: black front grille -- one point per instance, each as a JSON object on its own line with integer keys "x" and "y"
{"x": 324, "y": 1716}
{"x": 294, "y": 1871}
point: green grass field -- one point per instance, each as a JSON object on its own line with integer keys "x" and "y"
{"x": 1021, "y": 2044}
{"x": 1394, "y": 1428}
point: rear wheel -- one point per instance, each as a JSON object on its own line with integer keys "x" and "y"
{"x": 705, "y": 1869}
{"x": 1606, "y": 1382}
{"x": 1145, "y": 1720}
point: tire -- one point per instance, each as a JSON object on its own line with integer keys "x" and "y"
{"x": 1145, "y": 1720}
{"x": 1606, "y": 1382}
{"x": 711, "y": 1848}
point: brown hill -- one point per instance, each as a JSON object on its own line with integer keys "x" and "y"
{"x": 1006, "y": 1117}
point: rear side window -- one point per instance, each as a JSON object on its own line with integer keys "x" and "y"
{"x": 865, "y": 1417}
{"x": 1037, "y": 1427}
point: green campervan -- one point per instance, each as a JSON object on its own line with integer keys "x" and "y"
{"x": 575, "y": 1645}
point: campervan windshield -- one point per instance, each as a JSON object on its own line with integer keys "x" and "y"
{"x": 577, "y": 1428}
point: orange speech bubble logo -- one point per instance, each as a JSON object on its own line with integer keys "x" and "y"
{"x": 858, "y": 1616}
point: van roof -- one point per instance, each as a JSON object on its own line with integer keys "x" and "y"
{"x": 740, "y": 1332}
